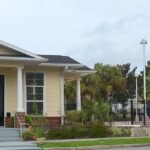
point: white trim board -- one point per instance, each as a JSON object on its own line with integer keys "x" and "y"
{"x": 15, "y": 48}
{"x": 60, "y": 65}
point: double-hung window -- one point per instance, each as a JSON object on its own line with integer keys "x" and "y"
{"x": 34, "y": 93}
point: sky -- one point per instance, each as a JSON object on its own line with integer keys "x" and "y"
{"x": 90, "y": 31}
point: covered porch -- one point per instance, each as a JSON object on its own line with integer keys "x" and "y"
{"x": 73, "y": 75}
{"x": 11, "y": 91}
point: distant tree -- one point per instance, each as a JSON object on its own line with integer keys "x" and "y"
{"x": 98, "y": 85}
{"x": 70, "y": 94}
{"x": 129, "y": 90}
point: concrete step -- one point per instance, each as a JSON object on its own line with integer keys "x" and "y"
{"x": 24, "y": 143}
{"x": 9, "y": 135}
{"x": 7, "y": 139}
{"x": 20, "y": 148}
{"x": 10, "y": 140}
{"x": 8, "y": 129}
{"x": 18, "y": 145}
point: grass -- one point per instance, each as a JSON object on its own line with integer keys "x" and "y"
{"x": 99, "y": 142}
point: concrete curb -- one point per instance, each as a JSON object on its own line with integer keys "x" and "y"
{"x": 98, "y": 147}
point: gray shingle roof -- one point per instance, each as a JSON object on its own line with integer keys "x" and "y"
{"x": 63, "y": 59}
{"x": 59, "y": 59}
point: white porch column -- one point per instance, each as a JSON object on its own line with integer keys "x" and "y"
{"x": 78, "y": 94}
{"x": 62, "y": 107}
{"x": 19, "y": 90}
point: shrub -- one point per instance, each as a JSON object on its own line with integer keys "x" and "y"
{"x": 120, "y": 131}
{"x": 37, "y": 133}
{"x": 33, "y": 134}
{"x": 28, "y": 119}
{"x": 88, "y": 110}
{"x": 56, "y": 134}
{"x": 75, "y": 131}
{"x": 98, "y": 129}
{"x": 126, "y": 132}
{"x": 116, "y": 131}
{"x": 39, "y": 122}
{"x": 27, "y": 136}
{"x": 93, "y": 110}
{"x": 73, "y": 117}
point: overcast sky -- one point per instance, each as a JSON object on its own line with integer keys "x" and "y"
{"x": 90, "y": 31}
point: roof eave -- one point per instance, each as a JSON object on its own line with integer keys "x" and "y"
{"x": 20, "y": 50}
{"x": 81, "y": 72}
{"x": 3, "y": 58}
{"x": 60, "y": 65}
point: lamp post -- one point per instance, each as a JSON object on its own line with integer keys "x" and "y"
{"x": 136, "y": 96}
{"x": 144, "y": 42}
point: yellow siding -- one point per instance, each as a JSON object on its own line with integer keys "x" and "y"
{"x": 10, "y": 88}
{"x": 6, "y": 51}
{"x": 10, "y": 64}
{"x": 51, "y": 88}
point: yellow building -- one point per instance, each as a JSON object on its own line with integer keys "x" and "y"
{"x": 31, "y": 83}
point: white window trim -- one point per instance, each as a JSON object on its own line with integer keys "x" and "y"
{"x": 25, "y": 90}
{"x": 22, "y": 51}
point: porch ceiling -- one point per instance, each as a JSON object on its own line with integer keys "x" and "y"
{"x": 77, "y": 74}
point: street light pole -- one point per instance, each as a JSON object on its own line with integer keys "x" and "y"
{"x": 136, "y": 93}
{"x": 144, "y": 42}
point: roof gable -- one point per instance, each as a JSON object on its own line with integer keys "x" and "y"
{"x": 9, "y": 50}
{"x": 5, "y": 51}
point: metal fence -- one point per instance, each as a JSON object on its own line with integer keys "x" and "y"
{"x": 129, "y": 113}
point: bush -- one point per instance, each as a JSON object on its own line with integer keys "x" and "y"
{"x": 27, "y": 136}
{"x": 37, "y": 133}
{"x": 116, "y": 131}
{"x": 33, "y": 134}
{"x": 126, "y": 132}
{"x": 72, "y": 117}
{"x": 28, "y": 119}
{"x": 98, "y": 129}
{"x": 39, "y": 122}
{"x": 75, "y": 131}
{"x": 88, "y": 110}
{"x": 120, "y": 131}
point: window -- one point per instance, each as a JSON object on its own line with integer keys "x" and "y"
{"x": 34, "y": 94}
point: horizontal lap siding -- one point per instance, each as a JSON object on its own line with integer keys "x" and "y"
{"x": 10, "y": 88}
{"x": 6, "y": 51}
{"x": 11, "y": 91}
{"x": 51, "y": 90}
{"x": 52, "y": 105}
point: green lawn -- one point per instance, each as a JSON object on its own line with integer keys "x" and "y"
{"x": 99, "y": 142}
